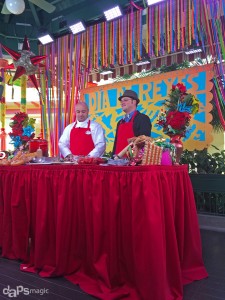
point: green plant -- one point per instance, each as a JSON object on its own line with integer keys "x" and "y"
{"x": 202, "y": 162}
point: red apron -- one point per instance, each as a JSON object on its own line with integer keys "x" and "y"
{"x": 124, "y": 132}
{"x": 81, "y": 142}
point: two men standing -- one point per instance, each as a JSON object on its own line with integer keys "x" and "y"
{"x": 86, "y": 137}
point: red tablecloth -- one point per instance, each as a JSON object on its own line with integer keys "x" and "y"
{"x": 116, "y": 231}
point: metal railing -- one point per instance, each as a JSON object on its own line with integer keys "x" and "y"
{"x": 209, "y": 192}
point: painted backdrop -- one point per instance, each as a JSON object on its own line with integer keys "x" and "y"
{"x": 153, "y": 90}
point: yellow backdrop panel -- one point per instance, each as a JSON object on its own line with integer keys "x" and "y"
{"x": 153, "y": 90}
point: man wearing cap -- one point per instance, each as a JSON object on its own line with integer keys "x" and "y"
{"x": 83, "y": 137}
{"x": 132, "y": 124}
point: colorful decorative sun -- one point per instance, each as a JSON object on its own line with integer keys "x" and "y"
{"x": 25, "y": 62}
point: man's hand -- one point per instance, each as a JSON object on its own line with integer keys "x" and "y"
{"x": 69, "y": 157}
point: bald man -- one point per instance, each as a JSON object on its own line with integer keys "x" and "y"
{"x": 83, "y": 137}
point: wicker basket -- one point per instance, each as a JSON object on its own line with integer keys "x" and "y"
{"x": 152, "y": 154}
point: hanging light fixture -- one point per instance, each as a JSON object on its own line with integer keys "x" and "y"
{"x": 77, "y": 27}
{"x": 16, "y": 7}
{"x": 142, "y": 62}
{"x": 113, "y": 13}
{"x": 151, "y": 2}
{"x": 106, "y": 71}
{"x": 45, "y": 39}
{"x": 193, "y": 50}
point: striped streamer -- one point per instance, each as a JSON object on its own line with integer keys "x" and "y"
{"x": 170, "y": 25}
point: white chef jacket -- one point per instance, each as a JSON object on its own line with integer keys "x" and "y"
{"x": 97, "y": 134}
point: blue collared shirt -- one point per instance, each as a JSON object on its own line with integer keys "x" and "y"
{"x": 128, "y": 117}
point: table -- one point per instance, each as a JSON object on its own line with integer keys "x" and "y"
{"x": 118, "y": 232}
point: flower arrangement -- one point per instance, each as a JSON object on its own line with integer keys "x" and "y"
{"x": 175, "y": 119}
{"x": 22, "y": 130}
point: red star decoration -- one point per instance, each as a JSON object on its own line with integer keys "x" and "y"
{"x": 26, "y": 62}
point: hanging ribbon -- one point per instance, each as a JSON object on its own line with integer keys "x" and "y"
{"x": 195, "y": 19}
{"x": 135, "y": 5}
{"x": 207, "y": 27}
{"x": 170, "y": 25}
{"x": 2, "y": 112}
{"x": 151, "y": 30}
{"x": 217, "y": 97}
{"x": 140, "y": 32}
{"x": 2, "y": 107}
{"x": 23, "y": 102}
{"x": 99, "y": 46}
{"x": 156, "y": 32}
{"x": 147, "y": 34}
{"x": 115, "y": 42}
{"x": 125, "y": 40}
{"x": 178, "y": 25}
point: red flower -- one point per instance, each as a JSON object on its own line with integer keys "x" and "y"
{"x": 20, "y": 122}
{"x": 25, "y": 138}
{"x": 181, "y": 87}
{"x": 19, "y": 117}
{"x": 17, "y": 131}
{"x": 177, "y": 120}
{"x": 17, "y": 126}
{"x": 179, "y": 107}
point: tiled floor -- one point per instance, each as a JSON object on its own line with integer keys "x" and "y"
{"x": 212, "y": 288}
{"x": 58, "y": 288}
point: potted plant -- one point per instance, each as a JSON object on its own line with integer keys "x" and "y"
{"x": 207, "y": 173}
